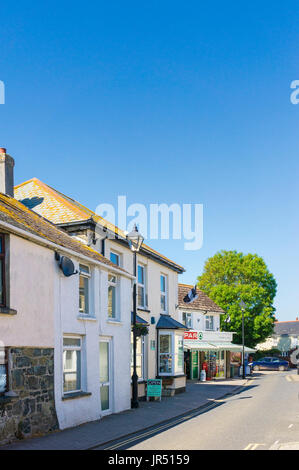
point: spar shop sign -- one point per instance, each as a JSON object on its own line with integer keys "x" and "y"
{"x": 193, "y": 335}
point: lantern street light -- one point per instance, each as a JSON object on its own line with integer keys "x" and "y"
{"x": 243, "y": 307}
{"x": 135, "y": 240}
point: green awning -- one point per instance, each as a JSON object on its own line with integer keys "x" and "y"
{"x": 228, "y": 346}
{"x": 216, "y": 346}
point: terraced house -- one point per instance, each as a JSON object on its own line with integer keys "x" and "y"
{"x": 64, "y": 359}
{"x": 160, "y": 352}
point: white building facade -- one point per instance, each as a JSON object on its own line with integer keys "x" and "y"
{"x": 160, "y": 353}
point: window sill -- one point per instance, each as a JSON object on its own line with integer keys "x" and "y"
{"x": 114, "y": 322}
{"x": 142, "y": 309}
{"x": 73, "y": 396}
{"x": 86, "y": 317}
{"x": 7, "y": 311}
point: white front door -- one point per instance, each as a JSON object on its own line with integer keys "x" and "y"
{"x": 105, "y": 375}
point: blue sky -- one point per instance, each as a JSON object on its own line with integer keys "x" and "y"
{"x": 164, "y": 102}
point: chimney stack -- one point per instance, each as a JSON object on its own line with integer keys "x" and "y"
{"x": 7, "y": 164}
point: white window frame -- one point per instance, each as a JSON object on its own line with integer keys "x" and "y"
{"x": 188, "y": 315}
{"x": 208, "y": 318}
{"x": 173, "y": 334}
{"x": 72, "y": 348}
{"x": 86, "y": 275}
{"x": 164, "y": 294}
{"x": 139, "y": 284}
{"x": 112, "y": 252}
{"x": 115, "y": 285}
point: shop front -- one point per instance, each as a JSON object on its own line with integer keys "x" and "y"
{"x": 210, "y": 351}
{"x": 170, "y": 357}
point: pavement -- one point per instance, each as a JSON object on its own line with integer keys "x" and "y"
{"x": 115, "y": 427}
{"x": 264, "y": 415}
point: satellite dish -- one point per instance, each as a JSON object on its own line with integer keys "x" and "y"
{"x": 66, "y": 265}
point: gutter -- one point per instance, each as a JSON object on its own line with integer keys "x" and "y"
{"x": 41, "y": 241}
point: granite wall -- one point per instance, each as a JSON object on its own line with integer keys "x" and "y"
{"x": 32, "y": 411}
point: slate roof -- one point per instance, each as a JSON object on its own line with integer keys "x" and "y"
{"x": 61, "y": 209}
{"x": 139, "y": 320}
{"x": 203, "y": 302}
{"x": 18, "y": 215}
{"x": 286, "y": 327}
{"x": 168, "y": 323}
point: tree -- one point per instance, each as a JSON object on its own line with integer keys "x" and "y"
{"x": 230, "y": 277}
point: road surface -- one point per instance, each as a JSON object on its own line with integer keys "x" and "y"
{"x": 264, "y": 415}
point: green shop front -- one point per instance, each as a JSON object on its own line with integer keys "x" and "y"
{"x": 209, "y": 351}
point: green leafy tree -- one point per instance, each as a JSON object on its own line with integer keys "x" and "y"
{"x": 230, "y": 277}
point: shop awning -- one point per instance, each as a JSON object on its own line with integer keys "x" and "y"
{"x": 202, "y": 346}
{"x": 216, "y": 346}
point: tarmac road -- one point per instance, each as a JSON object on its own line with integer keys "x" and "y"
{"x": 265, "y": 415}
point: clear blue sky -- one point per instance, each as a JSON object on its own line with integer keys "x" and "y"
{"x": 166, "y": 101}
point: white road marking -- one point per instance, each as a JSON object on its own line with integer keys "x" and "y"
{"x": 253, "y": 446}
{"x": 290, "y": 426}
{"x": 274, "y": 446}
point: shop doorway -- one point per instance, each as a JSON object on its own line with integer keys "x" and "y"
{"x": 194, "y": 365}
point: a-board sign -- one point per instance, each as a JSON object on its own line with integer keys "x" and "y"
{"x": 154, "y": 388}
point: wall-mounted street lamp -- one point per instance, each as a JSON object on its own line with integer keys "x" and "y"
{"x": 135, "y": 240}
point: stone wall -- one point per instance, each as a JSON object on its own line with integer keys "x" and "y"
{"x": 32, "y": 411}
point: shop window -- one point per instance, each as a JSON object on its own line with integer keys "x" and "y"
{"x": 171, "y": 353}
{"x": 139, "y": 356}
{"x": 72, "y": 364}
{"x": 165, "y": 354}
{"x": 84, "y": 288}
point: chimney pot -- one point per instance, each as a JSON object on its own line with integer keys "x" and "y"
{"x": 2, "y": 150}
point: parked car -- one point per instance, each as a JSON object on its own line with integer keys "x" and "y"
{"x": 270, "y": 363}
